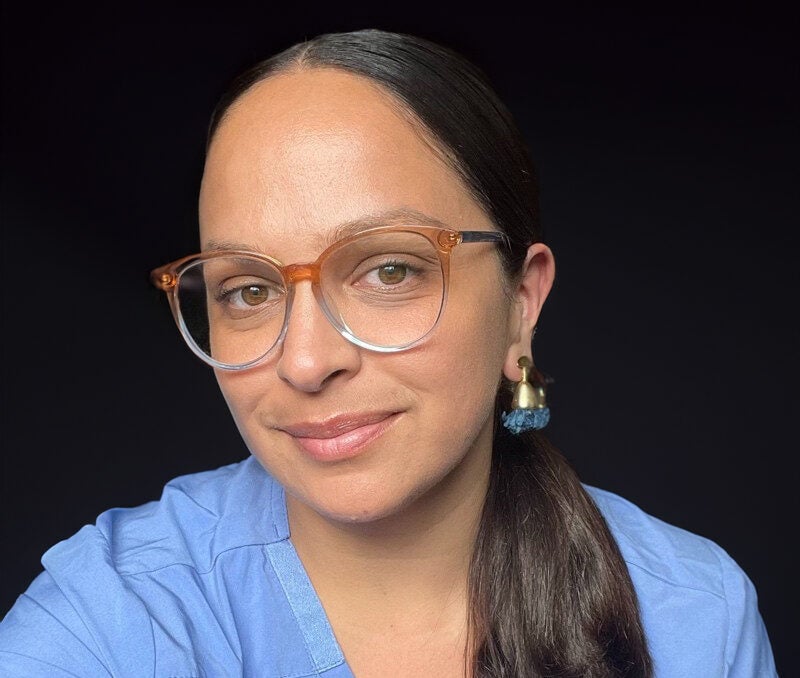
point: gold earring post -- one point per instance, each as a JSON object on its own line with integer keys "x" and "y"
{"x": 528, "y": 396}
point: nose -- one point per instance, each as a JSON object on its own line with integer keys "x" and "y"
{"x": 313, "y": 353}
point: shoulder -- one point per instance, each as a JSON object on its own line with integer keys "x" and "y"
{"x": 663, "y": 551}
{"x": 198, "y": 517}
{"x": 698, "y": 606}
{"x": 150, "y": 584}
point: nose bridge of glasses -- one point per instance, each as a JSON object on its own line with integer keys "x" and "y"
{"x": 300, "y": 301}
{"x": 295, "y": 273}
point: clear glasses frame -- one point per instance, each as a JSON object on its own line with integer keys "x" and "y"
{"x": 444, "y": 240}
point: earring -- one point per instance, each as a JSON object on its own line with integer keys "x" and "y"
{"x": 529, "y": 406}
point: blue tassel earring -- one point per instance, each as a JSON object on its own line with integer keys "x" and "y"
{"x": 529, "y": 406}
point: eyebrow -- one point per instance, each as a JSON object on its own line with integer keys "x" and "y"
{"x": 395, "y": 217}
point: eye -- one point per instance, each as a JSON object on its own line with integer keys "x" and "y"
{"x": 392, "y": 274}
{"x": 248, "y": 296}
{"x": 253, "y": 295}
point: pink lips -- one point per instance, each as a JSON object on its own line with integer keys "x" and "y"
{"x": 341, "y": 437}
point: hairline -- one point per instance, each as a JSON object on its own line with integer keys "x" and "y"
{"x": 399, "y": 105}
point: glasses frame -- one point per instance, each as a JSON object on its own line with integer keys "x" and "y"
{"x": 444, "y": 240}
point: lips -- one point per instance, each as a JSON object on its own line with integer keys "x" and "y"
{"x": 340, "y": 437}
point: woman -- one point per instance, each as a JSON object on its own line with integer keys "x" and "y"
{"x": 399, "y": 515}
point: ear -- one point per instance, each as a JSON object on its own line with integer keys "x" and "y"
{"x": 532, "y": 289}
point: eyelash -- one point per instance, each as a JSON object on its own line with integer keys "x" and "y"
{"x": 224, "y": 296}
{"x": 410, "y": 268}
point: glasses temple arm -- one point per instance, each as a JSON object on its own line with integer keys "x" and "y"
{"x": 485, "y": 236}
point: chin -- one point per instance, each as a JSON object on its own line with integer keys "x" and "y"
{"x": 360, "y": 511}
{"x": 361, "y": 505}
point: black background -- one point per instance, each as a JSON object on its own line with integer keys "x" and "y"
{"x": 666, "y": 143}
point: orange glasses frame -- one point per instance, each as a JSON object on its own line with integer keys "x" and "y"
{"x": 444, "y": 240}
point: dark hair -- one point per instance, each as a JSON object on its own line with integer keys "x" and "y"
{"x": 550, "y": 594}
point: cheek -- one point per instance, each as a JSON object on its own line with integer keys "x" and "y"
{"x": 242, "y": 392}
{"x": 475, "y": 323}
{"x": 459, "y": 370}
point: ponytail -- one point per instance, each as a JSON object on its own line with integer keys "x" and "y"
{"x": 550, "y": 594}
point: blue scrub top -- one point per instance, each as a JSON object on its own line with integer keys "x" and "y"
{"x": 205, "y": 582}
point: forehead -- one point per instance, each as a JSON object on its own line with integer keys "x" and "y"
{"x": 303, "y": 152}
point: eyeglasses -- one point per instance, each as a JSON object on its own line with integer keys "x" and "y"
{"x": 383, "y": 289}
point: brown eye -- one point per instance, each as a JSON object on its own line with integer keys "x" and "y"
{"x": 253, "y": 295}
{"x": 392, "y": 274}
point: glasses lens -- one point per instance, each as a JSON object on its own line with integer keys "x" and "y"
{"x": 232, "y": 308}
{"x": 386, "y": 289}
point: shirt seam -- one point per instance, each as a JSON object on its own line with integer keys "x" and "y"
{"x": 676, "y": 584}
{"x": 317, "y": 668}
{"x": 727, "y": 612}
{"x": 64, "y": 626}
{"x": 213, "y": 565}
{"x": 101, "y": 658}
{"x": 9, "y": 653}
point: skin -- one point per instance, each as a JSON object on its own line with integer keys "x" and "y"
{"x": 385, "y": 536}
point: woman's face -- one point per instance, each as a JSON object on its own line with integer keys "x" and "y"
{"x": 353, "y": 434}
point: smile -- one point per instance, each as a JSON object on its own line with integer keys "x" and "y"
{"x": 341, "y": 437}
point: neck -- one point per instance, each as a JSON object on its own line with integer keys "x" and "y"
{"x": 415, "y": 559}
